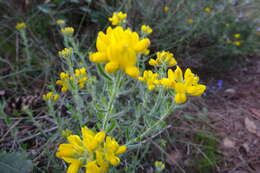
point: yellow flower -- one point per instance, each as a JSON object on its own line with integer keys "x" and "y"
{"x": 237, "y": 43}
{"x": 119, "y": 49}
{"x": 95, "y": 152}
{"x": 150, "y": 78}
{"x": 118, "y": 18}
{"x": 112, "y": 149}
{"x": 159, "y": 165}
{"x": 208, "y": 10}
{"x": 64, "y": 81}
{"x": 227, "y": 24}
{"x": 146, "y": 29}
{"x": 183, "y": 85}
{"x": 166, "y": 9}
{"x": 67, "y": 31}
{"x": 79, "y": 78}
{"x": 189, "y": 20}
{"x": 66, "y": 52}
{"x": 74, "y": 165}
{"x": 50, "y": 96}
{"x": 163, "y": 58}
{"x": 60, "y": 22}
{"x": 20, "y": 26}
{"x": 237, "y": 35}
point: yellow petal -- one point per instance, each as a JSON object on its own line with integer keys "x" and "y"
{"x": 100, "y": 136}
{"x": 74, "y": 166}
{"x": 65, "y": 150}
{"x": 180, "y": 98}
{"x": 152, "y": 62}
{"x": 178, "y": 74}
{"x": 180, "y": 88}
{"x": 92, "y": 167}
{"x": 114, "y": 160}
{"x": 97, "y": 57}
{"x": 141, "y": 78}
{"x": 188, "y": 74}
{"x": 142, "y": 45}
{"x": 74, "y": 139}
{"x": 86, "y": 132}
{"x": 64, "y": 89}
{"x": 172, "y": 62}
{"x": 56, "y": 97}
{"x": 197, "y": 90}
{"x": 121, "y": 149}
{"x": 171, "y": 74}
{"x": 132, "y": 71}
{"x": 165, "y": 82}
{"x": 111, "y": 67}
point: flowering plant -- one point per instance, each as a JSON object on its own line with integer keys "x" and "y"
{"x": 128, "y": 102}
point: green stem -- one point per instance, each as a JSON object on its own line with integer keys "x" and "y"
{"x": 76, "y": 49}
{"x": 150, "y": 129}
{"x": 66, "y": 42}
{"x": 79, "y": 106}
{"x": 29, "y": 113}
{"x": 25, "y": 42}
{"x": 112, "y": 99}
{"x": 75, "y": 90}
{"x": 158, "y": 101}
{"x": 52, "y": 112}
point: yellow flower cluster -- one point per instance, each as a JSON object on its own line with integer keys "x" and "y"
{"x": 163, "y": 57}
{"x": 95, "y": 152}
{"x": 79, "y": 76}
{"x": 237, "y": 35}
{"x": 50, "y": 96}
{"x": 67, "y": 31}
{"x": 175, "y": 81}
{"x": 146, "y": 29}
{"x": 119, "y": 48}
{"x": 118, "y": 18}
{"x": 189, "y": 20}
{"x": 166, "y": 9}
{"x": 64, "y": 81}
{"x": 237, "y": 43}
{"x": 150, "y": 78}
{"x": 66, "y": 52}
{"x": 159, "y": 165}
{"x": 183, "y": 85}
{"x": 60, "y": 22}
{"x": 20, "y": 26}
{"x": 207, "y": 10}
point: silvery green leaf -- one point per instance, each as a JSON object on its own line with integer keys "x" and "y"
{"x": 112, "y": 126}
{"x": 103, "y": 73}
{"x": 45, "y": 8}
{"x": 15, "y": 163}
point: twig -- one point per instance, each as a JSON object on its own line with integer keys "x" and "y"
{"x": 37, "y": 134}
{"x": 155, "y": 135}
{"x": 242, "y": 163}
{"x": 16, "y": 123}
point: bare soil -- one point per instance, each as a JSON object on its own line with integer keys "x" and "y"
{"x": 234, "y": 111}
